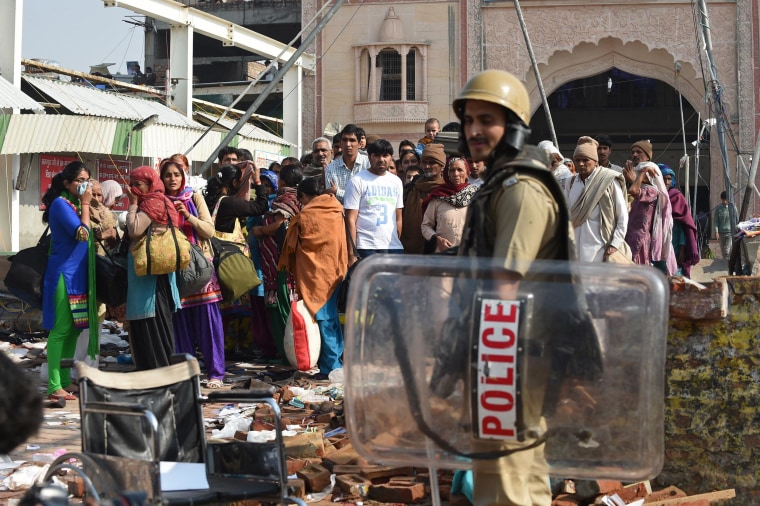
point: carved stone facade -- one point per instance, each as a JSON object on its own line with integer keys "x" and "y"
{"x": 571, "y": 40}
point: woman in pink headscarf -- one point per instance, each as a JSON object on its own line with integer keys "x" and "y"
{"x": 151, "y": 300}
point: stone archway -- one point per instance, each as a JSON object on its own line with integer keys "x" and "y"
{"x": 588, "y": 59}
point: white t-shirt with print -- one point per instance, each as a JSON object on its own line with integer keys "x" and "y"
{"x": 376, "y": 198}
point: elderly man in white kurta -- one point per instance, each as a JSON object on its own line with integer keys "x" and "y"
{"x": 598, "y": 209}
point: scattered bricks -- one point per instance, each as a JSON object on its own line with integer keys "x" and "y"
{"x": 402, "y": 480}
{"x": 347, "y": 469}
{"x": 241, "y": 435}
{"x": 665, "y": 494}
{"x": 295, "y": 465}
{"x": 398, "y": 493}
{"x": 297, "y": 488}
{"x": 345, "y": 456}
{"x": 347, "y": 481}
{"x": 710, "y": 304}
{"x": 630, "y": 494}
{"x": 565, "y": 500}
{"x": 315, "y": 476}
{"x": 305, "y": 445}
{"x": 286, "y": 394}
{"x": 338, "y": 441}
{"x": 382, "y": 472}
{"x": 607, "y": 486}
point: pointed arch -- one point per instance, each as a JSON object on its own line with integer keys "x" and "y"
{"x": 588, "y": 59}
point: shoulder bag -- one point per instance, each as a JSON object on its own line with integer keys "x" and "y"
{"x": 235, "y": 270}
{"x": 110, "y": 277}
{"x": 25, "y": 276}
{"x": 161, "y": 252}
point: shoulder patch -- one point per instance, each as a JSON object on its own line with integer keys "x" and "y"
{"x": 510, "y": 181}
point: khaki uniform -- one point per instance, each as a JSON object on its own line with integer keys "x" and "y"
{"x": 522, "y": 223}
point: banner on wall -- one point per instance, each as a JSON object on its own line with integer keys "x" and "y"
{"x": 263, "y": 159}
{"x": 117, "y": 170}
{"x": 50, "y": 165}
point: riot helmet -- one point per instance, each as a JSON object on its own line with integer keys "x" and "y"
{"x": 501, "y": 88}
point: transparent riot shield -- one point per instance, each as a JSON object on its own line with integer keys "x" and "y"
{"x": 449, "y": 359}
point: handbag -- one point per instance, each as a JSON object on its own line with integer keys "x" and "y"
{"x": 26, "y": 274}
{"x": 110, "y": 279}
{"x": 161, "y": 252}
{"x": 302, "y": 340}
{"x": 236, "y": 272}
{"x": 196, "y": 275}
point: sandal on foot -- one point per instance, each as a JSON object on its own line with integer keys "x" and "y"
{"x": 215, "y": 383}
{"x": 67, "y": 397}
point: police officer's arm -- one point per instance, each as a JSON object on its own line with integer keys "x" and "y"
{"x": 525, "y": 222}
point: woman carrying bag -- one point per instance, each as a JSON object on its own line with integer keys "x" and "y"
{"x": 151, "y": 299}
{"x": 199, "y": 322}
{"x": 224, "y": 194}
{"x": 68, "y": 304}
{"x": 315, "y": 253}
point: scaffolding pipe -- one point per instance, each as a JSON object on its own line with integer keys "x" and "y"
{"x": 540, "y": 83}
{"x": 276, "y": 79}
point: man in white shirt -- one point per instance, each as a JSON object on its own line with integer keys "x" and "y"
{"x": 373, "y": 202}
{"x": 598, "y": 209}
{"x": 348, "y": 164}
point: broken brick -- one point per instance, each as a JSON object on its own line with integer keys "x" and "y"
{"x": 380, "y": 472}
{"x": 346, "y": 481}
{"x": 315, "y": 476}
{"x": 297, "y": 488}
{"x": 398, "y": 493}
{"x": 665, "y": 494}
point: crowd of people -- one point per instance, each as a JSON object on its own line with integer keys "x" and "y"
{"x": 305, "y": 222}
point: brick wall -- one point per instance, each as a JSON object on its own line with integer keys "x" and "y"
{"x": 712, "y": 419}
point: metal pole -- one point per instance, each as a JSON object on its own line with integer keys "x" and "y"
{"x": 276, "y": 79}
{"x": 696, "y": 165}
{"x": 750, "y": 180}
{"x": 683, "y": 132}
{"x": 720, "y": 116}
{"x": 540, "y": 83}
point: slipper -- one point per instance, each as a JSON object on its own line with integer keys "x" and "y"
{"x": 67, "y": 397}
{"x": 215, "y": 383}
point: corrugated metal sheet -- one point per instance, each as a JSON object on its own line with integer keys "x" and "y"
{"x": 13, "y": 98}
{"x": 95, "y": 102}
{"x": 48, "y": 133}
{"x": 248, "y": 130}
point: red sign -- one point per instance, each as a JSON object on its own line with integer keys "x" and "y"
{"x": 497, "y": 369}
{"x": 117, "y": 170}
{"x": 50, "y": 165}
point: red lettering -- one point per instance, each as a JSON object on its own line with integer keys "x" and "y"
{"x": 491, "y": 426}
{"x": 509, "y": 379}
{"x": 495, "y": 400}
{"x": 499, "y": 316}
{"x": 486, "y": 338}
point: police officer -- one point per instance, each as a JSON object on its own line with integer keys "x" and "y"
{"x": 518, "y": 215}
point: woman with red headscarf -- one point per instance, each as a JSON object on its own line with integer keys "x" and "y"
{"x": 445, "y": 208}
{"x": 151, "y": 300}
{"x": 199, "y": 323}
